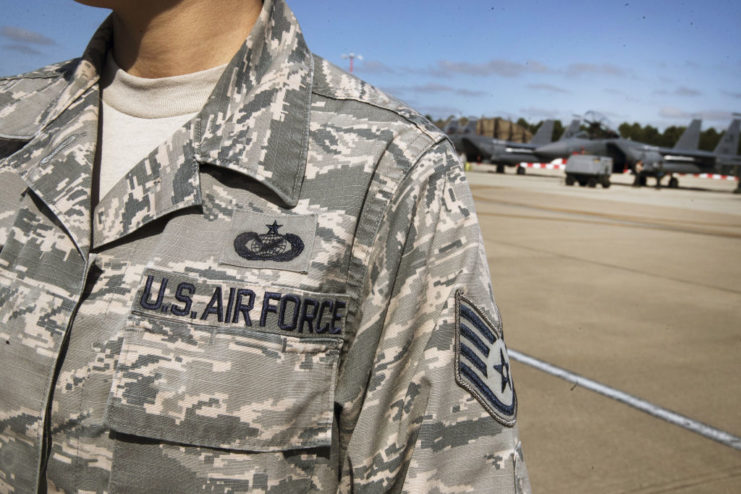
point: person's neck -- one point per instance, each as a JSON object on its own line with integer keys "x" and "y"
{"x": 187, "y": 36}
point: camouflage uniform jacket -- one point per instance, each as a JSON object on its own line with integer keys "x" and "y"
{"x": 290, "y": 294}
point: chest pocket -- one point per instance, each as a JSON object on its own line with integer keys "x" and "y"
{"x": 223, "y": 387}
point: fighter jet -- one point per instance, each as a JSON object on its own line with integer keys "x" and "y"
{"x": 573, "y": 130}
{"x": 580, "y": 143}
{"x": 502, "y": 152}
{"x": 646, "y": 160}
{"x": 486, "y": 149}
{"x": 456, "y": 133}
{"x": 660, "y": 162}
{"x": 727, "y": 149}
{"x": 609, "y": 144}
{"x": 508, "y": 153}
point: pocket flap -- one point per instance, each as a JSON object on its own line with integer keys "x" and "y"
{"x": 222, "y": 387}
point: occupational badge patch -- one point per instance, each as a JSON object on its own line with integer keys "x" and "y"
{"x": 270, "y": 241}
{"x": 482, "y": 363}
{"x": 270, "y": 246}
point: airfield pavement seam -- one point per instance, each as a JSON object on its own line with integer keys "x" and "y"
{"x": 687, "y": 423}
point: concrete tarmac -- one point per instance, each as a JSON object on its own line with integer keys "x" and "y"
{"x": 638, "y": 289}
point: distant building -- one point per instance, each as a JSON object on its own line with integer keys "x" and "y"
{"x": 499, "y": 128}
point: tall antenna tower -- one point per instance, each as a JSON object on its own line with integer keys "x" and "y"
{"x": 352, "y": 56}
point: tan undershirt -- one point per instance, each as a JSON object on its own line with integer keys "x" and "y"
{"x": 138, "y": 114}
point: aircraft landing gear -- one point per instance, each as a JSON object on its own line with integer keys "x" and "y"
{"x": 673, "y": 183}
{"x": 500, "y": 168}
{"x": 520, "y": 170}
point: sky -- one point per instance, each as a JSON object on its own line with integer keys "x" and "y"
{"x": 657, "y": 62}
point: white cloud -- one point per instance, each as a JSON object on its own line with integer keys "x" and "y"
{"x": 686, "y": 91}
{"x": 541, "y": 112}
{"x": 25, "y": 49}
{"x": 23, "y": 36}
{"x": 434, "y": 88}
{"x": 674, "y": 113}
{"x": 578, "y": 69}
{"x": 549, "y": 87}
{"x": 499, "y": 67}
{"x": 374, "y": 67}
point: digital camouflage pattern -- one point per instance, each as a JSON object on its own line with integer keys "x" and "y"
{"x": 265, "y": 303}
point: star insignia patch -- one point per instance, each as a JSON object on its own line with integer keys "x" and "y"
{"x": 481, "y": 361}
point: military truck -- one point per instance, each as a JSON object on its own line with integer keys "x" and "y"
{"x": 588, "y": 170}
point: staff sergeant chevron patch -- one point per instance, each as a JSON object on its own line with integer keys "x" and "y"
{"x": 482, "y": 363}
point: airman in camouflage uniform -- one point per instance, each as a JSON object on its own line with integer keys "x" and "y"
{"x": 288, "y": 295}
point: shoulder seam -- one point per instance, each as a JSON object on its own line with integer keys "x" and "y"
{"x": 50, "y": 71}
{"x": 8, "y": 137}
{"x": 398, "y": 113}
{"x": 385, "y": 102}
{"x": 426, "y": 150}
{"x": 393, "y": 193}
{"x": 21, "y": 77}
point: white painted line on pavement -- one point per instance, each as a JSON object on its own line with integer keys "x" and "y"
{"x": 642, "y": 405}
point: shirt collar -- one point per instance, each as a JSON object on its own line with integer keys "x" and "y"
{"x": 256, "y": 121}
{"x": 57, "y": 163}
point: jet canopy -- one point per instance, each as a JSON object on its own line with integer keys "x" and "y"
{"x": 599, "y": 126}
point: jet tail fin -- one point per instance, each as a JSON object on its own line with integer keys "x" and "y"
{"x": 572, "y": 129}
{"x": 729, "y": 141}
{"x": 454, "y": 127}
{"x": 470, "y": 127}
{"x": 451, "y": 127}
{"x": 690, "y": 138}
{"x": 544, "y": 135}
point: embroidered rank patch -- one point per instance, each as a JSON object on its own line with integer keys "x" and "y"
{"x": 258, "y": 240}
{"x": 482, "y": 363}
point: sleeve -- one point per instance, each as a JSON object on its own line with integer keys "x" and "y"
{"x": 439, "y": 410}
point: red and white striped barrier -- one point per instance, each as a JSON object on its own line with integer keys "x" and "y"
{"x": 548, "y": 166}
{"x": 560, "y": 164}
{"x": 712, "y": 176}
{"x": 557, "y": 164}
